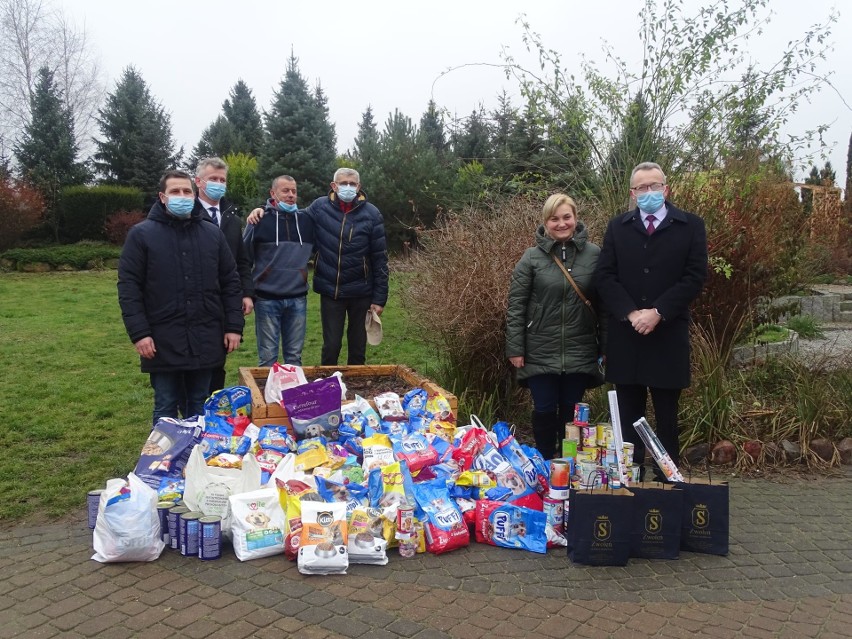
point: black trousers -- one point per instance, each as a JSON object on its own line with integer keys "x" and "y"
{"x": 632, "y": 400}
{"x": 333, "y": 314}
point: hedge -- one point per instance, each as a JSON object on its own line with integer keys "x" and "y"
{"x": 86, "y": 208}
{"x": 77, "y": 256}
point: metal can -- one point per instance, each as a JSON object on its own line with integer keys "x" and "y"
{"x": 189, "y": 533}
{"x": 405, "y": 520}
{"x": 555, "y": 511}
{"x": 93, "y": 498}
{"x": 569, "y": 448}
{"x": 174, "y": 526}
{"x": 560, "y": 473}
{"x": 581, "y": 414}
{"x": 209, "y": 537}
{"x": 163, "y": 508}
{"x": 589, "y": 436}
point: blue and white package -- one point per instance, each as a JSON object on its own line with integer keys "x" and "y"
{"x": 511, "y": 450}
{"x": 510, "y": 526}
{"x": 353, "y": 495}
{"x": 444, "y": 524}
{"x": 166, "y": 451}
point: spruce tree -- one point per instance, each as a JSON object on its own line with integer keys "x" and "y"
{"x": 299, "y": 140}
{"x": 137, "y": 145}
{"x": 218, "y": 139}
{"x": 241, "y": 112}
{"x": 432, "y": 129}
{"x": 47, "y": 150}
{"x": 473, "y": 142}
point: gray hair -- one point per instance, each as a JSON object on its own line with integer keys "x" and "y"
{"x": 282, "y": 178}
{"x": 213, "y": 163}
{"x": 647, "y": 166}
{"x": 346, "y": 171}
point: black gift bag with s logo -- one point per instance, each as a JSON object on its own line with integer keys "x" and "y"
{"x": 657, "y": 521}
{"x": 598, "y": 526}
{"x": 706, "y": 516}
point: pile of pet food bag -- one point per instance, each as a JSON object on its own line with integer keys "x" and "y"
{"x": 352, "y": 482}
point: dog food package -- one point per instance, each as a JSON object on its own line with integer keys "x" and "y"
{"x": 361, "y": 416}
{"x": 353, "y": 495}
{"x": 167, "y": 449}
{"x": 470, "y": 447}
{"x": 234, "y": 401}
{"x": 128, "y": 526}
{"x": 389, "y": 406}
{"x": 511, "y": 450}
{"x": 268, "y": 459}
{"x": 281, "y": 377}
{"x": 258, "y": 524}
{"x": 208, "y": 488}
{"x": 366, "y": 541}
{"x": 290, "y": 495}
{"x": 509, "y": 526}
{"x": 444, "y": 525}
{"x": 170, "y": 489}
{"x": 276, "y": 438}
{"x": 324, "y": 539}
{"x": 415, "y": 450}
{"x": 314, "y": 408}
{"x": 378, "y": 452}
{"x": 414, "y": 402}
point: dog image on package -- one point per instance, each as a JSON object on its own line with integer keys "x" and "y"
{"x": 258, "y": 524}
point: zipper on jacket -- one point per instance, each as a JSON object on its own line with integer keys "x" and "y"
{"x": 364, "y": 259}
{"x": 339, "y": 255}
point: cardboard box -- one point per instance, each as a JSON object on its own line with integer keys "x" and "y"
{"x": 264, "y": 414}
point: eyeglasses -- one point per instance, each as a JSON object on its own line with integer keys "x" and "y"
{"x": 656, "y": 186}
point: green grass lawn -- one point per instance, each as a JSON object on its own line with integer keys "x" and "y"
{"x": 76, "y": 409}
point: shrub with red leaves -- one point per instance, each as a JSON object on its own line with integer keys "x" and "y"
{"x": 118, "y": 224}
{"x": 21, "y": 209}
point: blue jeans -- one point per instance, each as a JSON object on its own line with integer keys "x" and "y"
{"x": 171, "y": 388}
{"x": 280, "y": 320}
{"x": 553, "y": 393}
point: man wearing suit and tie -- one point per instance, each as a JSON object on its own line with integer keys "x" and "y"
{"x": 211, "y": 178}
{"x": 652, "y": 265}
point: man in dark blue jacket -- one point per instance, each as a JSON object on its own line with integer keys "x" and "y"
{"x": 652, "y": 266}
{"x": 180, "y": 297}
{"x": 351, "y": 272}
{"x": 279, "y": 248}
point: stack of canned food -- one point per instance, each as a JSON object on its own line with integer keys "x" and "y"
{"x": 590, "y": 450}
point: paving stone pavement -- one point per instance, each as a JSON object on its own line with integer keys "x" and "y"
{"x": 789, "y": 574}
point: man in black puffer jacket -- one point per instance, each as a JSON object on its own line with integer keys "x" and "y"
{"x": 211, "y": 177}
{"x": 351, "y": 272}
{"x": 180, "y": 297}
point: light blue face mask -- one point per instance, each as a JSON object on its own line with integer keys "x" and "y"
{"x": 347, "y": 193}
{"x": 651, "y": 201}
{"x": 289, "y": 208}
{"x": 215, "y": 190}
{"x": 180, "y": 206}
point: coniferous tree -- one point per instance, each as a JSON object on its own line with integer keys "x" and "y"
{"x": 366, "y": 154}
{"x": 47, "y": 151}
{"x": 847, "y": 203}
{"x": 240, "y": 110}
{"x": 432, "y": 129}
{"x": 137, "y": 146}
{"x": 299, "y": 140}
{"x": 473, "y": 142}
{"x": 218, "y": 139}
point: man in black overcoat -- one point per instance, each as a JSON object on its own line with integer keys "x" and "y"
{"x": 652, "y": 265}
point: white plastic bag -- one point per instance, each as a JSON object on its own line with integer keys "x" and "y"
{"x": 258, "y": 524}
{"x": 128, "y": 526}
{"x": 282, "y": 376}
{"x": 208, "y": 487}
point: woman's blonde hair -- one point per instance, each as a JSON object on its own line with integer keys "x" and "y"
{"x": 554, "y": 202}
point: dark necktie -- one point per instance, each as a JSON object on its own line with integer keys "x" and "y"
{"x": 214, "y": 215}
{"x": 651, "y": 219}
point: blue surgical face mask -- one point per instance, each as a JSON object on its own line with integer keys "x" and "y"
{"x": 651, "y": 201}
{"x": 215, "y": 190}
{"x": 289, "y": 208}
{"x": 180, "y": 206}
{"x": 347, "y": 193}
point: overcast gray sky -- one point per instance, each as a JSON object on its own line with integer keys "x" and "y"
{"x": 388, "y": 54}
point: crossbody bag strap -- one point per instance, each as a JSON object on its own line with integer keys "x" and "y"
{"x": 571, "y": 281}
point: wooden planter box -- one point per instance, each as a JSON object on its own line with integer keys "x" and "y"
{"x": 263, "y": 414}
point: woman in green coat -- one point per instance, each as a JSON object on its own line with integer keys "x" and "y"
{"x": 552, "y": 336}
